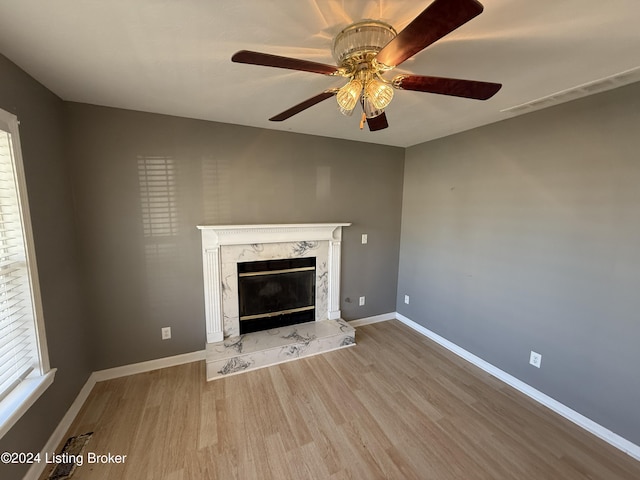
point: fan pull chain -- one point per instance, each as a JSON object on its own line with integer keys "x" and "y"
{"x": 362, "y": 120}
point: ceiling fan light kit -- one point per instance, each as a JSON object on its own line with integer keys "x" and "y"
{"x": 355, "y": 49}
{"x": 366, "y": 50}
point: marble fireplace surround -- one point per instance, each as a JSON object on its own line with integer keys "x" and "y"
{"x": 223, "y": 246}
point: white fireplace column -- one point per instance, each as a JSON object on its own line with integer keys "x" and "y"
{"x": 334, "y": 280}
{"x": 212, "y": 294}
{"x": 253, "y": 237}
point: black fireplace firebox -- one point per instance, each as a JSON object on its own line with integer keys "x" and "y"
{"x": 276, "y": 293}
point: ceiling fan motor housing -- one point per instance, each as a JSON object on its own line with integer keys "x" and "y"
{"x": 361, "y": 41}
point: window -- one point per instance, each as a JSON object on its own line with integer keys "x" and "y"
{"x": 24, "y": 363}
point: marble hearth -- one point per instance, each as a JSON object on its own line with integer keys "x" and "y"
{"x": 223, "y": 247}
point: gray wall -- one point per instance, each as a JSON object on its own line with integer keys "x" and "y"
{"x": 524, "y": 235}
{"x": 141, "y": 278}
{"x": 41, "y": 133}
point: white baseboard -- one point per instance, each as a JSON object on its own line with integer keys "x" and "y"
{"x": 375, "y": 319}
{"x": 58, "y": 434}
{"x": 596, "y": 429}
{"x": 101, "y": 375}
{"x": 142, "y": 367}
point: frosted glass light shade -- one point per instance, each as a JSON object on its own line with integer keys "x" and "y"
{"x": 379, "y": 93}
{"x": 349, "y": 95}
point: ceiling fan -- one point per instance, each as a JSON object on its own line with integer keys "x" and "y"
{"x": 366, "y": 50}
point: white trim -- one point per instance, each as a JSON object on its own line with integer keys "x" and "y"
{"x": 101, "y": 375}
{"x": 333, "y": 284}
{"x": 217, "y": 235}
{"x": 21, "y": 398}
{"x": 58, "y": 434}
{"x": 12, "y": 124}
{"x": 589, "y": 425}
{"x": 29, "y": 390}
{"x": 213, "y": 294}
{"x": 375, "y": 319}
{"x": 142, "y": 367}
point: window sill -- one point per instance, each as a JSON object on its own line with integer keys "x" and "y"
{"x": 19, "y": 400}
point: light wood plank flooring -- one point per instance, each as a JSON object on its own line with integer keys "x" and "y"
{"x": 394, "y": 406}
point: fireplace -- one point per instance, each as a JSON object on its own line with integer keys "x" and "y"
{"x": 276, "y": 293}
{"x": 272, "y": 294}
{"x": 226, "y": 246}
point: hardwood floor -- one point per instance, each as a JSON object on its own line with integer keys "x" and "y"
{"x": 394, "y": 406}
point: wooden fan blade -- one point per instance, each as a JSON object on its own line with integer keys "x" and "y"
{"x": 378, "y": 123}
{"x": 447, "y": 86}
{"x": 304, "y": 105}
{"x": 436, "y": 21}
{"x": 268, "y": 60}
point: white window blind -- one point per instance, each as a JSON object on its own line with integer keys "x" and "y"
{"x": 18, "y": 355}
{"x": 24, "y": 365}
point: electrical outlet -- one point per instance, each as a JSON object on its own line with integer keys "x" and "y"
{"x": 361, "y": 301}
{"x": 166, "y": 333}
{"x": 364, "y": 238}
{"x": 535, "y": 359}
{"x": 406, "y": 299}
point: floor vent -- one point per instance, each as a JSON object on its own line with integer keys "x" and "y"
{"x": 597, "y": 86}
{"x": 67, "y": 459}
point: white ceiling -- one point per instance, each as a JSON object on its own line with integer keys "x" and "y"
{"x": 173, "y": 57}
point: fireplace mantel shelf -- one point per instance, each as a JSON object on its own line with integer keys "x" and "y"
{"x": 272, "y": 225}
{"x": 216, "y": 235}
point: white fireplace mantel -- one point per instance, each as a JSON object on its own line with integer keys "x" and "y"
{"x": 216, "y": 237}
